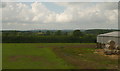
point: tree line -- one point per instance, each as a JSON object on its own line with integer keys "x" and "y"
{"x": 58, "y": 36}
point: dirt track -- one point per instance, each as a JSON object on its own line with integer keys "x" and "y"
{"x": 74, "y": 58}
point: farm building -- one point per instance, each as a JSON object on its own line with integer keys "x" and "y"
{"x": 104, "y": 38}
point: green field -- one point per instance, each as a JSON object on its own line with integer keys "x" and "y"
{"x": 54, "y": 56}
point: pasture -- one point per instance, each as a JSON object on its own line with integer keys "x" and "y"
{"x": 54, "y": 56}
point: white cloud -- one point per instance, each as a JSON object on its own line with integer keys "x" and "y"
{"x": 76, "y": 13}
{"x": 91, "y": 12}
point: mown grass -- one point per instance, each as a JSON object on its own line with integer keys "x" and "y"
{"x": 54, "y": 56}
{"x": 21, "y": 51}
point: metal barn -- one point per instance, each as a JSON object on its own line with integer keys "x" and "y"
{"x": 104, "y": 38}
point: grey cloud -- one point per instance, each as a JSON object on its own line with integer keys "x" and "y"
{"x": 3, "y": 4}
{"x": 108, "y": 5}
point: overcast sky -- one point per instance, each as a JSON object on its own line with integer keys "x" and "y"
{"x": 59, "y": 15}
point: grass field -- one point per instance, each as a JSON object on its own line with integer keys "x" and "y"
{"x": 54, "y": 56}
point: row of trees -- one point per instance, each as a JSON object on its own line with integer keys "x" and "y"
{"x": 48, "y": 37}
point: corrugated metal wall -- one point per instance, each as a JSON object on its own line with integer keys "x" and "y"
{"x": 106, "y": 39}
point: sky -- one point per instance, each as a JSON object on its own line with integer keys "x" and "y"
{"x": 59, "y": 15}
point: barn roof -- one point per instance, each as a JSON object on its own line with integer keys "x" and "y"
{"x": 111, "y": 34}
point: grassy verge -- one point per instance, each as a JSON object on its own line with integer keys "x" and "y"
{"x": 54, "y": 56}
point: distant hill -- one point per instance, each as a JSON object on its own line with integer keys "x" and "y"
{"x": 92, "y": 31}
{"x": 99, "y": 31}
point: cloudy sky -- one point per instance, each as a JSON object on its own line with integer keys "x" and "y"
{"x": 59, "y": 15}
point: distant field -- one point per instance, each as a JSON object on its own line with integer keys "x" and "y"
{"x": 54, "y": 56}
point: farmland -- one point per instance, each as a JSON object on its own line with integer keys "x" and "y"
{"x": 54, "y": 56}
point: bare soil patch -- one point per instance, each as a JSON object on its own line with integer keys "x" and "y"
{"x": 83, "y": 45}
{"x": 13, "y": 58}
{"x": 101, "y": 52}
{"x": 30, "y": 57}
